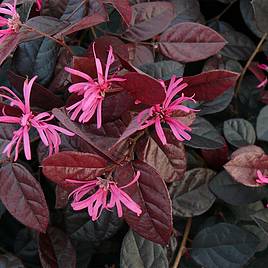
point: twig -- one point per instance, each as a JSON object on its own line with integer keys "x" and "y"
{"x": 77, "y": 8}
{"x": 183, "y": 243}
{"x": 49, "y": 36}
{"x": 223, "y": 12}
{"x": 93, "y": 32}
{"x": 249, "y": 62}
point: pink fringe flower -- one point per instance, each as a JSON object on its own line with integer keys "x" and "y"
{"x": 98, "y": 201}
{"x": 93, "y": 91}
{"x": 39, "y": 5}
{"x": 261, "y": 178}
{"x": 164, "y": 113}
{"x": 265, "y": 81}
{"x": 11, "y": 23}
{"x": 47, "y": 132}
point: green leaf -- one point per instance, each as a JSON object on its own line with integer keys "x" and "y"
{"x": 139, "y": 252}
{"x": 223, "y": 245}
{"x": 239, "y": 132}
{"x": 163, "y": 69}
{"x": 261, "y": 218}
{"x": 191, "y": 195}
{"x": 204, "y": 135}
{"x": 37, "y": 57}
{"x": 262, "y": 126}
{"x": 234, "y": 193}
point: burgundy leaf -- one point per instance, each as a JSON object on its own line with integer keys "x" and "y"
{"x": 243, "y": 167}
{"x": 144, "y": 88}
{"x": 8, "y": 46}
{"x": 149, "y": 19}
{"x": 23, "y": 197}
{"x": 38, "y": 93}
{"x": 216, "y": 158}
{"x": 151, "y": 194}
{"x": 56, "y": 250}
{"x": 168, "y": 160}
{"x": 72, "y": 165}
{"x": 188, "y": 42}
{"x": 209, "y": 85}
{"x": 123, "y": 8}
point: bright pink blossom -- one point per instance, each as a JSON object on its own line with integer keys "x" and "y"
{"x": 261, "y": 178}
{"x": 39, "y": 4}
{"x": 9, "y": 19}
{"x": 47, "y": 132}
{"x": 166, "y": 113}
{"x": 265, "y": 81}
{"x": 93, "y": 90}
{"x": 106, "y": 196}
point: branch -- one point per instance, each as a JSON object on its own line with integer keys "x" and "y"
{"x": 183, "y": 243}
{"x": 249, "y": 62}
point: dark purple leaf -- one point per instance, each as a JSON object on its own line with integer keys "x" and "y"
{"x": 56, "y": 250}
{"x": 144, "y": 88}
{"x": 7, "y": 47}
{"x": 188, "y": 42}
{"x": 23, "y": 197}
{"x": 155, "y": 222}
{"x": 209, "y": 85}
{"x": 149, "y": 19}
{"x": 72, "y": 165}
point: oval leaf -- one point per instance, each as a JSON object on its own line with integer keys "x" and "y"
{"x": 262, "y": 126}
{"x": 223, "y": 245}
{"x": 243, "y": 167}
{"x": 144, "y": 88}
{"x": 155, "y": 222}
{"x": 239, "y": 132}
{"x": 139, "y": 252}
{"x": 188, "y": 42}
{"x": 23, "y": 197}
{"x": 191, "y": 195}
{"x": 72, "y": 165}
{"x": 209, "y": 85}
{"x": 148, "y": 20}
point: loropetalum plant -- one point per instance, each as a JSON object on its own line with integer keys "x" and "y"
{"x": 133, "y": 133}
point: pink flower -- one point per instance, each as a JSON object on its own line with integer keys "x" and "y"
{"x": 265, "y": 81}
{"x": 11, "y": 23}
{"x": 39, "y": 5}
{"x": 93, "y": 91}
{"x": 166, "y": 113}
{"x": 97, "y": 201}
{"x": 261, "y": 178}
{"x": 47, "y": 132}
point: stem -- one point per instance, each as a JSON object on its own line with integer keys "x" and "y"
{"x": 76, "y": 9}
{"x": 50, "y": 37}
{"x": 223, "y": 12}
{"x": 93, "y": 32}
{"x": 249, "y": 62}
{"x": 183, "y": 243}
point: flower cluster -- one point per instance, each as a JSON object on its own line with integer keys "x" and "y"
{"x": 9, "y": 19}
{"x": 28, "y": 119}
{"x": 98, "y": 201}
{"x": 166, "y": 113}
{"x": 92, "y": 91}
